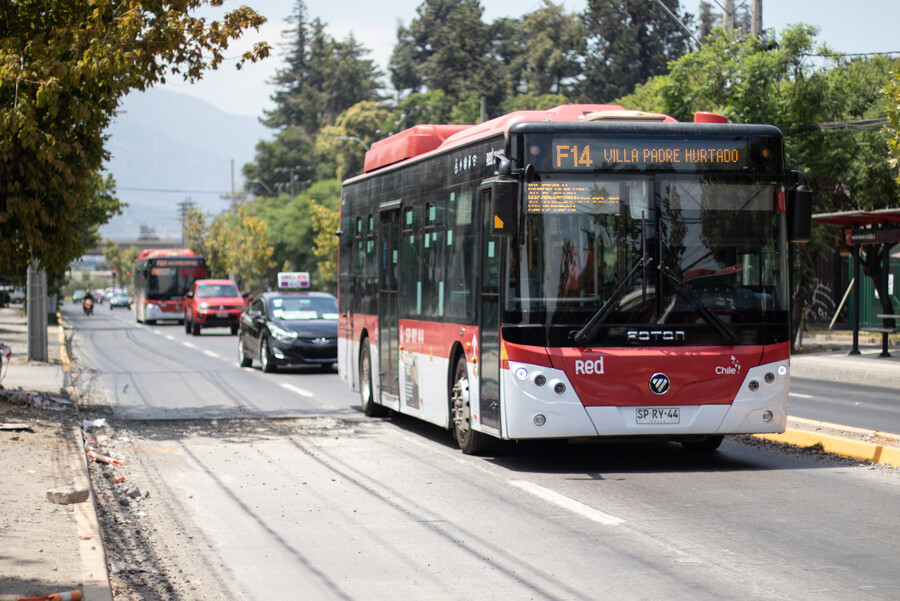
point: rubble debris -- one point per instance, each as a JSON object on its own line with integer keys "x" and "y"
{"x": 16, "y": 427}
{"x": 64, "y": 596}
{"x": 68, "y": 495}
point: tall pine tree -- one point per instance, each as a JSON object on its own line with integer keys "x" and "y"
{"x": 629, "y": 41}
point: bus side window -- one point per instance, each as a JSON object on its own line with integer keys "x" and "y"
{"x": 410, "y": 279}
{"x": 460, "y": 253}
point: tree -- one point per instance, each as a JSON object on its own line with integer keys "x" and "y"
{"x": 892, "y": 102}
{"x": 193, "y": 229}
{"x": 446, "y": 47}
{"x": 325, "y": 223}
{"x": 64, "y": 67}
{"x": 237, "y": 244}
{"x": 291, "y": 231}
{"x": 322, "y": 78}
{"x": 341, "y": 148}
{"x": 628, "y": 42}
{"x": 121, "y": 260}
{"x": 554, "y": 44}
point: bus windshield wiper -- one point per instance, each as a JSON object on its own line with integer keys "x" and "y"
{"x": 590, "y": 328}
{"x": 708, "y": 314}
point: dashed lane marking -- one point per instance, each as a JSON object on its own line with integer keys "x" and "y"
{"x": 298, "y": 390}
{"x": 567, "y": 503}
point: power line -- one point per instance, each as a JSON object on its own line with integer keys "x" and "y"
{"x": 172, "y": 191}
{"x": 863, "y": 124}
{"x": 840, "y": 54}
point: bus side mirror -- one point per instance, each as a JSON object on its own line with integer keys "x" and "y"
{"x": 799, "y": 210}
{"x": 504, "y": 207}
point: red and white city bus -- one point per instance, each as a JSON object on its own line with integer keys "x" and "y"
{"x": 578, "y": 272}
{"x": 161, "y": 279}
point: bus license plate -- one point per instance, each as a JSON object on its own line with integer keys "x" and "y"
{"x": 658, "y": 415}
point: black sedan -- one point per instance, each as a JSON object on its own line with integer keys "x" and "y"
{"x": 289, "y": 328}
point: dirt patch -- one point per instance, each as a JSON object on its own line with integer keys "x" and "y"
{"x": 39, "y": 543}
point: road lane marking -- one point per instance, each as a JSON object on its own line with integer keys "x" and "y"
{"x": 188, "y": 344}
{"x": 801, "y": 396}
{"x": 212, "y": 354}
{"x": 567, "y": 503}
{"x": 298, "y": 390}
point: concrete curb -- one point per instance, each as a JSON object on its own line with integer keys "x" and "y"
{"x": 95, "y": 576}
{"x": 838, "y": 445}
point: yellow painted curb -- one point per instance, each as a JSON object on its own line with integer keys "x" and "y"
{"x": 840, "y": 446}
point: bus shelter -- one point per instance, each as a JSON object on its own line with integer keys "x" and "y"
{"x": 875, "y": 233}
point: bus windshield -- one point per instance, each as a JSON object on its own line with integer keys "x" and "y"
{"x": 707, "y": 244}
{"x": 172, "y": 282}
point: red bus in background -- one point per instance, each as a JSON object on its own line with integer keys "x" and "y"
{"x": 161, "y": 279}
{"x": 578, "y": 272}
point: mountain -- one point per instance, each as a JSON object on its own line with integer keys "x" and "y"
{"x": 168, "y": 147}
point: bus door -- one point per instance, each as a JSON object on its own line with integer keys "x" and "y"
{"x": 388, "y": 302}
{"x": 489, "y": 318}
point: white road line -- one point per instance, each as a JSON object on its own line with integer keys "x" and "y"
{"x": 801, "y": 396}
{"x": 567, "y": 503}
{"x": 188, "y": 344}
{"x": 298, "y": 390}
{"x": 212, "y": 354}
{"x": 169, "y": 337}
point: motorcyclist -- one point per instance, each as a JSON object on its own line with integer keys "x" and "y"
{"x": 88, "y": 302}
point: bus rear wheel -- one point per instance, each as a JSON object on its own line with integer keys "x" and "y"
{"x": 470, "y": 442}
{"x": 366, "y": 391}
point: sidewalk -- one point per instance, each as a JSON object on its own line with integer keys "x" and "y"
{"x": 45, "y": 547}
{"x": 825, "y": 356}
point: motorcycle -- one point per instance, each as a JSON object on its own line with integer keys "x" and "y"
{"x": 88, "y": 305}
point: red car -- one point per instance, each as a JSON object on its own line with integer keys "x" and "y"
{"x": 213, "y": 304}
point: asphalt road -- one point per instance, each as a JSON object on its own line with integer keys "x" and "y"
{"x": 336, "y": 506}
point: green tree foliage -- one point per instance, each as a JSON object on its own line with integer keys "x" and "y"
{"x": 341, "y": 148}
{"x": 193, "y": 229}
{"x": 321, "y": 79}
{"x": 554, "y": 44}
{"x": 237, "y": 244}
{"x": 64, "y": 66}
{"x": 291, "y": 231}
{"x": 629, "y": 41}
{"x": 892, "y": 108}
{"x": 121, "y": 260}
{"x": 446, "y": 47}
{"x": 325, "y": 223}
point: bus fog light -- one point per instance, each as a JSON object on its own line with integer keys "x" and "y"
{"x": 770, "y": 377}
{"x": 521, "y": 373}
{"x": 540, "y": 380}
{"x": 782, "y": 370}
{"x": 753, "y": 385}
{"x": 767, "y": 416}
{"x": 540, "y": 419}
{"x": 559, "y": 388}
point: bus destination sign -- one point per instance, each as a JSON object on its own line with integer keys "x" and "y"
{"x": 569, "y": 197}
{"x": 659, "y": 153}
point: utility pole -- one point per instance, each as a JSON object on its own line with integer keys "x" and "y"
{"x": 36, "y": 290}
{"x": 183, "y": 208}
{"x": 756, "y": 24}
{"x": 728, "y": 17}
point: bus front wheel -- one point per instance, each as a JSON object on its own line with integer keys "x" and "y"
{"x": 702, "y": 445}
{"x": 470, "y": 442}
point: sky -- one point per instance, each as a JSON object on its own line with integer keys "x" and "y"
{"x": 846, "y": 26}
